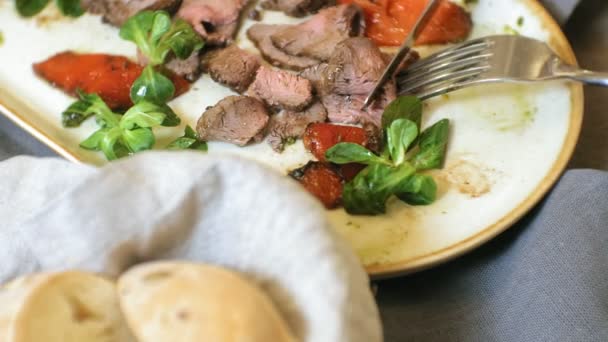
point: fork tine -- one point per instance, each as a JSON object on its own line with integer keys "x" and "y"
{"x": 469, "y": 62}
{"x": 452, "y": 53}
{"x": 449, "y": 77}
{"x": 455, "y": 55}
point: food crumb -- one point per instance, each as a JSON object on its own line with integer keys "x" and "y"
{"x": 520, "y": 21}
{"x": 1, "y": 38}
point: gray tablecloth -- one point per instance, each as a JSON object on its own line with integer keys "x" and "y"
{"x": 546, "y": 279}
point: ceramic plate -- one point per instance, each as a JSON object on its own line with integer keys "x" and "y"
{"x": 508, "y": 144}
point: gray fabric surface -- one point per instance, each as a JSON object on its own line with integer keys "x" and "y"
{"x": 546, "y": 279}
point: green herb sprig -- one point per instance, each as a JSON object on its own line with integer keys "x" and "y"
{"x": 122, "y": 135}
{"x": 156, "y": 35}
{"x": 395, "y": 171}
{"x": 29, "y": 8}
{"x": 189, "y": 140}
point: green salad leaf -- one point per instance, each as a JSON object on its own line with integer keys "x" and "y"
{"x": 144, "y": 114}
{"x": 433, "y": 144}
{"x": 156, "y": 35}
{"x": 181, "y": 39}
{"x": 189, "y": 140}
{"x": 344, "y": 153}
{"x": 400, "y": 134}
{"x": 418, "y": 189}
{"x": 393, "y": 173}
{"x": 368, "y": 192}
{"x": 29, "y": 8}
{"x": 152, "y": 86}
{"x": 122, "y": 135}
{"x": 87, "y": 106}
{"x": 403, "y": 107}
{"x": 119, "y": 135}
{"x": 70, "y": 8}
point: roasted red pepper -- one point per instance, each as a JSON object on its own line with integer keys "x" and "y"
{"x": 322, "y": 180}
{"x": 108, "y": 76}
{"x": 388, "y": 22}
{"x": 320, "y": 137}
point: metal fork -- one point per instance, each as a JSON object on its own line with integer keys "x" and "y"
{"x": 493, "y": 59}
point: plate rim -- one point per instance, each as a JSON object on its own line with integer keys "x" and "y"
{"x": 562, "y": 46}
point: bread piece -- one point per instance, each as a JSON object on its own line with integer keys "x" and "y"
{"x": 169, "y": 301}
{"x": 61, "y": 307}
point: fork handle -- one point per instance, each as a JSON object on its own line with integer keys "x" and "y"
{"x": 582, "y": 75}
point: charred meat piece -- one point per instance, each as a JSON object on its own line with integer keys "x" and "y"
{"x": 316, "y": 74}
{"x": 231, "y": 66}
{"x": 296, "y": 8}
{"x": 188, "y": 68}
{"x": 260, "y": 36}
{"x": 291, "y": 125}
{"x": 317, "y": 37}
{"x": 354, "y": 67}
{"x": 235, "y": 119}
{"x": 216, "y": 21}
{"x": 347, "y": 78}
{"x": 323, "y": 181}
{"x": 116, "y": 12}
{"x": 281, "y": 89}
{"x": 320, "y": 137}
{"x": 346, "y": 109}
{"x": 108, "y": 76}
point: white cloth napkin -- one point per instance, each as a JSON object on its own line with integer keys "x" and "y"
{"x": 185, "y": 205}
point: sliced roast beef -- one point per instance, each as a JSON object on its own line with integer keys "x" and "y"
{"x": 316, "y": 75}
{"x": 354, "y": 67}
{"x": 296, "y": 8}
{"x": 291, "y": 125}
{"x": 317, "y": 37}
{"x": 260, "y": 35}
{"x": 116, "y": 12}
{"x": 235, "y": 119}
{"x": 347, "y": 109}
{"x": 281, "y": 89}
{"x": 216, "y": 21}
{"x": 347, "y": 78}
{"x": 231, "y": 66}
{"x": 188, "y": 68}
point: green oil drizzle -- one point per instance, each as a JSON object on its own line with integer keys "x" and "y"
{"x": 515, "y": 118}
{"x": 1, "y": 38}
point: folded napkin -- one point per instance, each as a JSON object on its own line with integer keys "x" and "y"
{"x": 56, "y": 215}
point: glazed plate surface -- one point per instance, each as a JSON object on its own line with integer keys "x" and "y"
{"x": 508, "y": 144}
